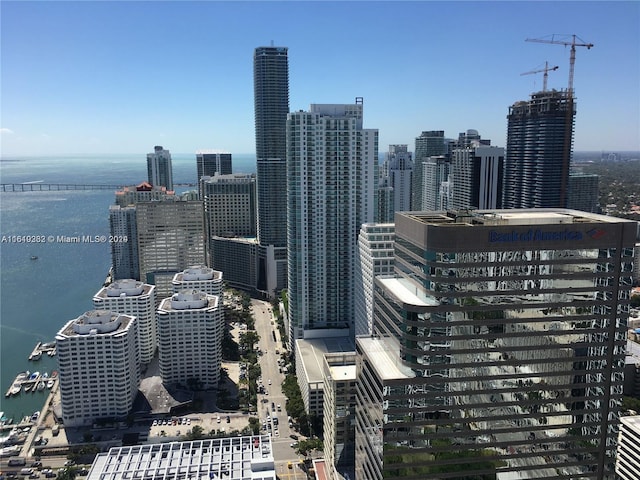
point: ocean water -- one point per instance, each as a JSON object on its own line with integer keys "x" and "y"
{"x": 37, "y": 297}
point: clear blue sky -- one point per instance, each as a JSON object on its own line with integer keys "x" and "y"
{"x": 121, "y": 77}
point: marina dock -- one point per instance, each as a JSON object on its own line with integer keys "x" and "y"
{"x": 41, "y": 348}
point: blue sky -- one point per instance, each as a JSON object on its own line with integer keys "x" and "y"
{"x": 120, "y": 77}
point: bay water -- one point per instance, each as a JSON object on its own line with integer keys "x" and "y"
{"x": 39, "y": 295}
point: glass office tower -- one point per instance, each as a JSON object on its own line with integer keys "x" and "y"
{"x": 271, "y": 98}
{"x": 498, "y": 348}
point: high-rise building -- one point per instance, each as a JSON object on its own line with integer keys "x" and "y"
{"x": 210, "y": 162}
{"x": 583, "y": 192}
{"x": 429, "y": 144}
{"x": 138, "y": 300}
{"x": 435, "y": 172}
{"x": 477, "y": 173}
{"x": 331, "y": 162}
{"x": 159, "y": 170}
{"x": 124, "y": 252}
{"x": 539, "y": 145}
{"x": 190, "y": 329}
{"x": 170, "y": 239}
{"x": 144, "y": 192}
{"x": 98, "y": 367}
{"x": 271, "y": 97}
{"x": 229, "y": 206}
{"x": 498, "y": 349}
{"x": 339, "y": 378}
{"x": 396, "y": 179}
{"x": 375, "y": 257}
{"x": 628, "y": 459}
{"x": 201, "y": 278}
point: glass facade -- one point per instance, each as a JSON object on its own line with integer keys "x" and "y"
{"x": 512, "y": 330}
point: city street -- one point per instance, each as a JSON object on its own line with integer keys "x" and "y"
{"x": 272, "y": 380}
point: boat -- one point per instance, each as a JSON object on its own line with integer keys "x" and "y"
{"x": 50, "y": 383}
{"x": 35, "y": 416}
{"x": 41, "y": 385}
{"x": 34, "y": 375}
{"x": 27, "y": 388}
{"x": 15, "y": 390}
{"x": 45, "y": 375}
{"x": 36, "y": 356}
{"x": 34, "y": 257}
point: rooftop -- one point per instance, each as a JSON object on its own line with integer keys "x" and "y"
{"x": 237, "y": 458}
{"x": 311, "y": 352}
{"x": 382, "y": 353}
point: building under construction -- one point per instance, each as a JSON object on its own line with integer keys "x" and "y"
{"x": 539, "y": 146}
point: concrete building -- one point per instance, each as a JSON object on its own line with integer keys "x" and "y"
{"x": 539, "y": 146}
{"x": 143, "y": 192}
{"x": 583, "y": 192}
{"x": 125, "y": 261}
{"x": 310, "y": 354}
{"x": 375, "y": 257}
{"x": 271, "y": 99}
{"x": 138, "y": 300}
{"x": 237, "y": 458}
{"x": 430, "y": 143}
{"x": 435, "y": 172}
{"x": 159, "y": 169}
{"x": 170, "y": 239}
{"x": 229, "y": 208}
{"x": 500, "y": 340}
{"x": 201, "y": 278}
{"x": 211, "y": 162}
{"x": 477, "y": 174}
{"x": 98, "y": 367}
{"x": 397, "y": 172}
{"x": 190, "y": 329}
{"x": 339, "y": 377}
{"x": 237, "y": 258}
{"x": 331, "y": 162}
{"x": 628, "y": 458}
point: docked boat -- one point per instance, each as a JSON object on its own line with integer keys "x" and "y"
{"x": 34, "y": 375}
{"x": 35, "y": 416}
{"x": 28, "y": 387}
{"x": 41, "y": 385}
{"x": 36, "y": 356}
{"x": 50, "y": 383}
{"x": 16, "y": 389}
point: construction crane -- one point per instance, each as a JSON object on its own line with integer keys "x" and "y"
{"x": 563, "y": 40}
{"x": 546, "y": 70}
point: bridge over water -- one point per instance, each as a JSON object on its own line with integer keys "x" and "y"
{"x": 53, "y": 187}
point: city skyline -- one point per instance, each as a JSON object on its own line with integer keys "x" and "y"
{"x": 116, "y": 77}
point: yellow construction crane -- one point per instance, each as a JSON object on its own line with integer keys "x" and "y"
{"x": 546, "y": 70}
{"x": 564, "y": 40}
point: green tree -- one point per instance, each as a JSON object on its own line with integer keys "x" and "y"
{"x": 248, "y": 339}
{"x": 67, "y": 473}
{"x": 254, "y": 425}
{"x": 196, "y": 433}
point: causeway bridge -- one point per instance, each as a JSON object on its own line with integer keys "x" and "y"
{"x": 53, "y": 187}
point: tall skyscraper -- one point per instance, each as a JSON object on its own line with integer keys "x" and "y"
{"x": 375, "y": 257}
{"x": 477, "y": 173}
{"x": 137, "y": 299}
{"x": 210, "y": 162}
{"x": 331, "y": 162}
{"x": 430, "y": 143}
{"x": 159, "y": 169}
{"x": 539, "y": 144}
{"x": 170, "y": 239}
{"x": 435, "y": 173}
{"x": 99, "y": 367}
{"x": 125, "y": 262}
{"x": 583, "y": 192}
{"x": 190, "y": 329}
{"x": 271, "y": 97}
{"x": 498, "y": 349}
{"x": 395, "y": 182}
